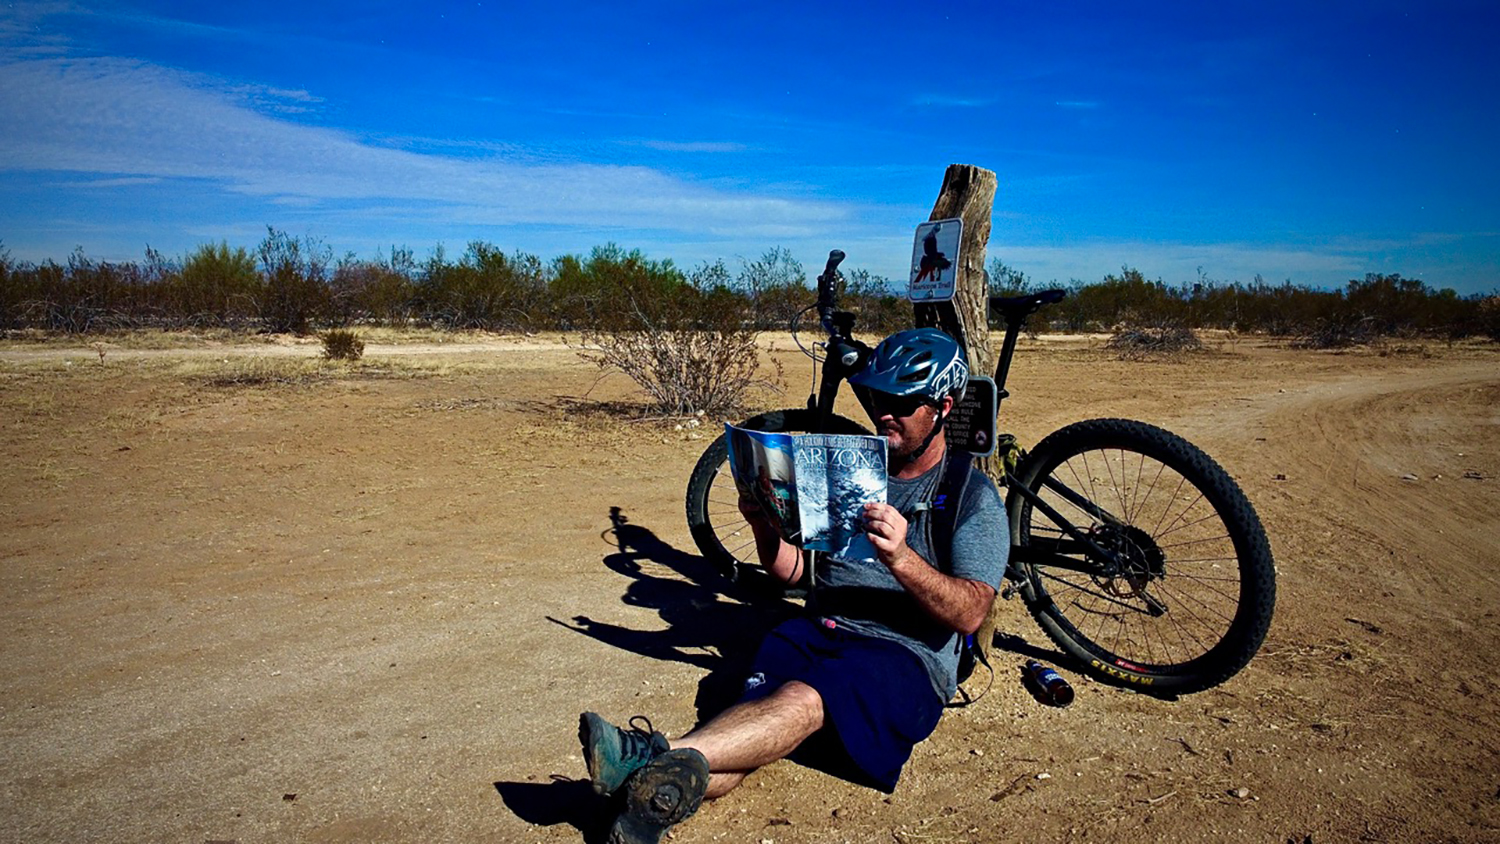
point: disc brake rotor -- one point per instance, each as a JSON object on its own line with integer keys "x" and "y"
{"x": 1140, "y": 560}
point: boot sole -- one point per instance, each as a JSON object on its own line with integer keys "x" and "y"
{"x": 667, "y": 791}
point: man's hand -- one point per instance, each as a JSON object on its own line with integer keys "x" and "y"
{"x": 751, "y": 510}
{"x": 958, "y": 603}
{"x": 886, "y": 529}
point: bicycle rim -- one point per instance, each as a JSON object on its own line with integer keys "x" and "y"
{"x": 1190, "y": 598}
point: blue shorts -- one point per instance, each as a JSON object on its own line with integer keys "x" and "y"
{"x": 877, "y": 700}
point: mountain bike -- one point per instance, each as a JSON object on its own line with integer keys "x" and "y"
{"x": 1135, "y": 552}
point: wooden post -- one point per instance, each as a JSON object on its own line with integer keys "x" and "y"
{"x": 967, "y": 193}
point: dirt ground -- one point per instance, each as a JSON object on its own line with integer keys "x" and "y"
{"x": 253, "y": 597}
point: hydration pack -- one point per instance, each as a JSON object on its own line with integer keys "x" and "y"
{"x": 941, "y": 523}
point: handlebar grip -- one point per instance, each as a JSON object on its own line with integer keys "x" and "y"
{"x": 826, "y": 284}
{"x": 835, "y": 257}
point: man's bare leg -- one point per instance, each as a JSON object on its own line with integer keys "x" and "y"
{"x": 755, "y": 733}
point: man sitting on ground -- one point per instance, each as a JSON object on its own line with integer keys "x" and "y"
{"x": 867, "y": 670}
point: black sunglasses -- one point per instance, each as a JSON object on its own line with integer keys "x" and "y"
{"x": 897, "y": 406}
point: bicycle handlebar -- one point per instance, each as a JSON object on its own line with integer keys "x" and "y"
{"x": 826, "y": 289}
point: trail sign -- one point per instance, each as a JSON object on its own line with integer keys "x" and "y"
{"x": 934, "y": 260}
{"x": 971, "y": 425}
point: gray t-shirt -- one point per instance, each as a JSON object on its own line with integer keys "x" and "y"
{"x": 863, "y": 596}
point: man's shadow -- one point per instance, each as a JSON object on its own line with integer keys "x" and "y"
{"x": 712, "y": 622}
{"x": 561, "y": 800}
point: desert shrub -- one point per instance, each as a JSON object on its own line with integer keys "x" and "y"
{"x": 88, "y": 296}
{"x": 691, "y": 347}
{"x": 341, "y": 344}
{"x": 881, "y": 307}
{"x": 486, "y": 289}
{"x": 216, "y": 285}
{"x": 1137, "y": 342}
{"x": 1488, "y": 317}
{"x": 13, "y": 292}
{"x": 382, "y": 290}
{"x": 295, "y": 292}
{"x": 775, "y": 285}
{"x": 1339, "y": 332}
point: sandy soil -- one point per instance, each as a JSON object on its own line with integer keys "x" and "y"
{"x": 367, "y": 604}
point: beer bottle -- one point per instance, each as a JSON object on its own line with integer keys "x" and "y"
{"x": 1054, "y": 689}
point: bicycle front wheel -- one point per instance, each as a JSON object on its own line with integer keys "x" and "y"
{"x": 713, "y": 512}
{"x": 1181, "y": 597}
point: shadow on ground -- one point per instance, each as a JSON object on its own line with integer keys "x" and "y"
{"x": 562, "y": 800}
{"x": 712, "y": 623}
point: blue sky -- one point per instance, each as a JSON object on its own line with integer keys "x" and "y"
{"x": 1310, "y": 141}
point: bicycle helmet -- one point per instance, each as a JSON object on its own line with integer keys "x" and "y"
{"x": 918, "y": 362}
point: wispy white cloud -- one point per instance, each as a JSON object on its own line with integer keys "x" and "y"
{"x": 119, "y": 117}
{"x": 23, "y": 34}
{"x": 279, "y": 100}
{"x": 1077, "y": 104}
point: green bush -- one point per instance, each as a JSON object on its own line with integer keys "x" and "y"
{"x": 486, "y": 289}
{"x": 216, "y": 285}
{"x": 295, "y": 293}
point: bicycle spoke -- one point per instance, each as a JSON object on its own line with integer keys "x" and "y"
{"x": 1226, "y": 578}
{"x": 1184, "y": 512}
{"x": 1207, "y": 588}
{"x": 1211, "y": 515}
{"x": 1206, "y": 606}
{"x": 1156, "y": 529}
{"x": 1195, "y": 541}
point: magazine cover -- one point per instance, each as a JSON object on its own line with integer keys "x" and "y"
{"x": 763, "y": 470}
{"x": 837, "y": 474}
{"x": 813, "y": 486}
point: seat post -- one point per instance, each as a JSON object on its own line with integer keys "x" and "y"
{"x": 1007, "y": 351}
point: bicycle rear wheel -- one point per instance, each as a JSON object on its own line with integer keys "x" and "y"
{"x": 1187, "y": 596}
{"x": 713, "y": 513}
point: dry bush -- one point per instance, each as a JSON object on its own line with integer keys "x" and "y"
{"x": 686, "y": 363}
{"x": 689, "y": 346}
{"x": 340, "y": 344}
{"x": 1136, "y": 343}
{"x": 1337, "y": 334}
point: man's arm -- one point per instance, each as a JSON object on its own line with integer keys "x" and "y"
{"x": 781, "y": 559}
{"x": 957, "y": 602}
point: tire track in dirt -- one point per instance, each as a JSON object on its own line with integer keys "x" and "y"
{"x": 1388, "y": 575}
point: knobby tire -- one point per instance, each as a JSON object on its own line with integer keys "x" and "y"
{"x": 1194, "y": 597}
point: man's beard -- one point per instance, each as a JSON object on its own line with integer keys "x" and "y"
{"x": 910, "y": 444}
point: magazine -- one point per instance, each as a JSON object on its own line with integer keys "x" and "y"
{"x": 813, "y": 487}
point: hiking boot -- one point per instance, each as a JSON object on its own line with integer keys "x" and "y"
{"x": 665, "y": 791}
{"x": 613, "y": 754}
